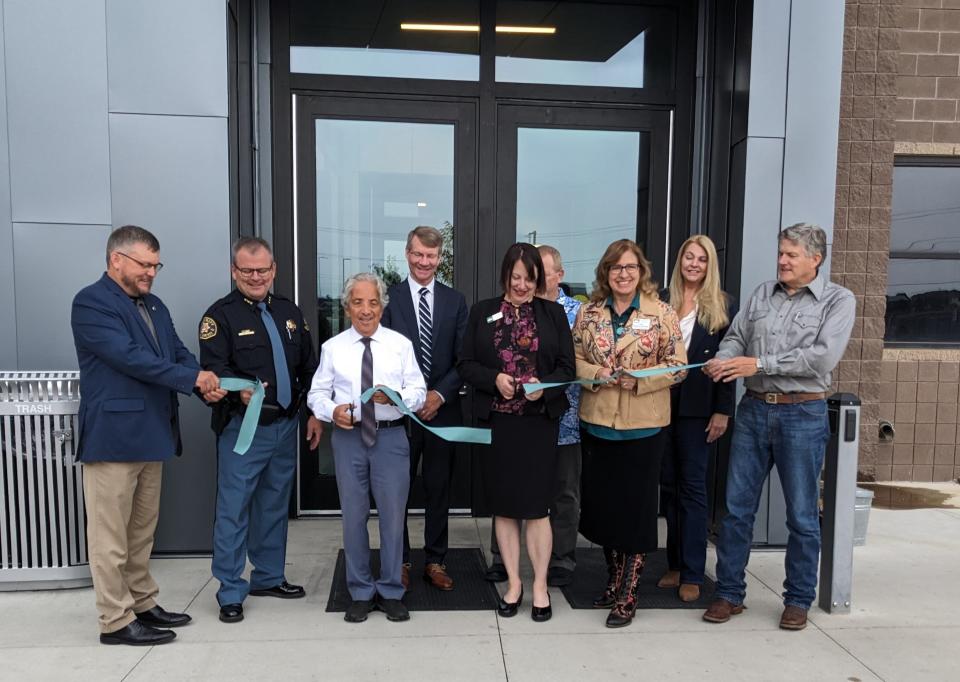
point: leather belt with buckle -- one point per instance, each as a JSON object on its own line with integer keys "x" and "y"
{"x": 389, "y": 424}
{"x": 785, "y": 398}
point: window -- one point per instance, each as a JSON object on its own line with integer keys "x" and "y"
{"x": 923, "y": 280}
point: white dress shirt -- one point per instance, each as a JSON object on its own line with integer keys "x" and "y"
{"x": 337, "y": 380}
{"x": 686, "y": 326}
{"x": 415, "y": 294}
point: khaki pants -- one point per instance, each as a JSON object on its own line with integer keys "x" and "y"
{"x": 123, "y": 503}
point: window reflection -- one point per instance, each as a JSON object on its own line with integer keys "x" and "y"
{"x": 578, "y": 190}
{"x": 364, "y": 38}
{"x": 923, "y": 278}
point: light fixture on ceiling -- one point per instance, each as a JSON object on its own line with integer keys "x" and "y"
{"x": 474, "y": 28}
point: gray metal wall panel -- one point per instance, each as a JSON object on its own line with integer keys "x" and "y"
{"x": 8, "y": 309}
{"x": 53, "y": 262}
{"x": 170, "y": 174}
{"x": 813, "y": 113}
{"x": 761, "y": 212}
{"x": 56, "y": 69}
{"x": 768, "y": 68}
{"x": 168, "y": 57}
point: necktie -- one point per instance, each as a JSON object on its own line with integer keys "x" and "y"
{"x": 279, "y": 356}
{"x": 426, "y": 333}
{"x": 142, "y": 309}
{"x": 368, "y": 414}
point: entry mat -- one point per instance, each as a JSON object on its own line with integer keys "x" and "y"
{"x": 590, "y": 578}
{"x": 465, "y": 565}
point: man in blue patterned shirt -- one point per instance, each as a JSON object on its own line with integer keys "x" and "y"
{"x": 565, "y": 511}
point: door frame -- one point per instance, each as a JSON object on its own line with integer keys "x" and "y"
{"x": 307, "y": 108}
{"x": 511, "y": 116}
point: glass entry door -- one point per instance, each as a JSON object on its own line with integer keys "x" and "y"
{"x": 368, "y": 170}
{"x": 578, "y": 178}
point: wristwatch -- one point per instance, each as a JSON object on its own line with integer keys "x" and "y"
{"x": 759, "y": 366}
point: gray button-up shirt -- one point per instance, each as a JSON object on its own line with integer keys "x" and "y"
{"x": 799, "y": 339}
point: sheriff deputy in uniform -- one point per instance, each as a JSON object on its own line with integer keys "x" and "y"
{"x": 253, "y": 334}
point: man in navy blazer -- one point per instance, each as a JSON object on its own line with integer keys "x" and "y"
{"x": 132, "y": 364}
{"x": 433, "y": 316}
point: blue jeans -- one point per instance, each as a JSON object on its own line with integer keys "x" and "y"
{"x": 794, "y": 437}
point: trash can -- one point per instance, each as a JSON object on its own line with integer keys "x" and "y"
{"x": 42, "y": 524}
{"x": 861, "y": 516}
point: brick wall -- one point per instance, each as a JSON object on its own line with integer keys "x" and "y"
{"x": 929, "y": 83}
{"x": 861, "y": 238}
{"x": 919, "y": 387}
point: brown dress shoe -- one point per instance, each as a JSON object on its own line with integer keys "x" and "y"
{"x": 793, "y": 618}
{"x": 436, "y": 575}
{"x": 405, "y": 576}
{"x": 669, "y": 579}
{"x": 720, "y": 611}
{"x": 689, "y": 592}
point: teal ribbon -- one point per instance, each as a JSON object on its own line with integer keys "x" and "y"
{"x": 454, "y": 434}
{"x": 636, "y": 373}
{"x": 248, "y": 427}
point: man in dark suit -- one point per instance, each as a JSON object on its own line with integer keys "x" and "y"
{"x": 132, "y": 364}
{"x": 433, "y": 316}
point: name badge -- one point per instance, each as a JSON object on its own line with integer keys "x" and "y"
{"x": 641, "y": 324}
{"x": 496, "y": 316}
{"x": 246, "y": 332}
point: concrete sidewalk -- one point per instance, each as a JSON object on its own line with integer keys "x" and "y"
{"x": 902, "y": 627}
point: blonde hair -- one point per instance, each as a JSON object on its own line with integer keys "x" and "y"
{"x": 710, "y": 299}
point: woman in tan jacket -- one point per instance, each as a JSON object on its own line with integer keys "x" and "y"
{"x": 624, "y": 327}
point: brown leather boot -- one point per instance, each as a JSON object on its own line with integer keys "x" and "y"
{"x": 614, "y": 577}
{"x": 720, "y": 611}
{"x": 669, "y": 579}
{"x": 793, "y": 618}
{"x": 405, "y": 576}
{"x": 626, "y": 605}
{"x": 436, "y": 575}
{"x": 688, "y": 592}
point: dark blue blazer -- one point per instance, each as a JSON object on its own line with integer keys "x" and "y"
{"x": 128, "y": 383}
{"x": 699, "y": 396}
{"x": 449, "y": 321}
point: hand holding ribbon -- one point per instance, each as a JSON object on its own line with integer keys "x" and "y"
{"x": 248, "y": 427}
{"x": 636, "y": 373}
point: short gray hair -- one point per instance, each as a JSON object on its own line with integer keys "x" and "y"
{"x": 547, "y": 250}
{"x": 128, "y": 235}
{"x": 364, "y": 277}
{"x": 250, "y": 244}
{"x": 811, "y": 237}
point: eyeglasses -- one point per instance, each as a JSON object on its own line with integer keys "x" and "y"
{"x": 629, "y": 268}
{"x": 247, "y": 273}
{"x": 157, "y": 267}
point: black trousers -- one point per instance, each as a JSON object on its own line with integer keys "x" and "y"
{"x": 437, "y": 457}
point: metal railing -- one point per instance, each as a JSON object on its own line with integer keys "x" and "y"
{"x": 42, "y": 525}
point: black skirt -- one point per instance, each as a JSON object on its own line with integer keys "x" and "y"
{"x": 619, "y": 487}
{"x": 519, "y": 467}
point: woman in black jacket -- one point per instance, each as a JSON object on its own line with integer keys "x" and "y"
{"x": 510, "y": 340}
{"x": 700, "y": 411}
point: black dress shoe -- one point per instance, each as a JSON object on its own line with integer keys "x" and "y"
{"x": 138, "y": 634}
{"x": 495, "y": 573}
{"x": 507, "y": 609}
{"x": 358, "y": 610}
{"x": 283, "y": 591}
{"x": 394, "y": 609}
{"x": 231, "y": 613}
{"x": 158, "y": 617}
{"x": 559, "y": 576}
{"x": 541, "y": 614}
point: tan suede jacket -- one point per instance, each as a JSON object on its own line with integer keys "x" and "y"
{"x": 655, "y": 343}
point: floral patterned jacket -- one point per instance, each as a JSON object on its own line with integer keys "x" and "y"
{"x": 651, "y": 338}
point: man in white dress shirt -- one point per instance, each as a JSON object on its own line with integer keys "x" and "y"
{"x": 370, "y": 448}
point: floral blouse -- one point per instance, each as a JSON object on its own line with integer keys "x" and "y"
{"x": 515, "y": 338}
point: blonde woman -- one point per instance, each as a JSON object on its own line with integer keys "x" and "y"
{"x": 700, "y": 410}
{"x": 624, "y": 327}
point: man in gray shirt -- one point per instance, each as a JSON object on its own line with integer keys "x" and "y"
{"x": 785, "y": 343}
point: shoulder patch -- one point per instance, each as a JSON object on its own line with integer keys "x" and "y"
{"x": 208, "y": 328}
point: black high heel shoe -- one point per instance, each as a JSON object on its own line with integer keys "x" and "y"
{"x": 507, "y": 609}
{"x": 541, "y": 614}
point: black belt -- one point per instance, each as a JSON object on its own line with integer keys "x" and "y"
{"x": 390, "y": 423}
{"x": 271, "y": 413}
